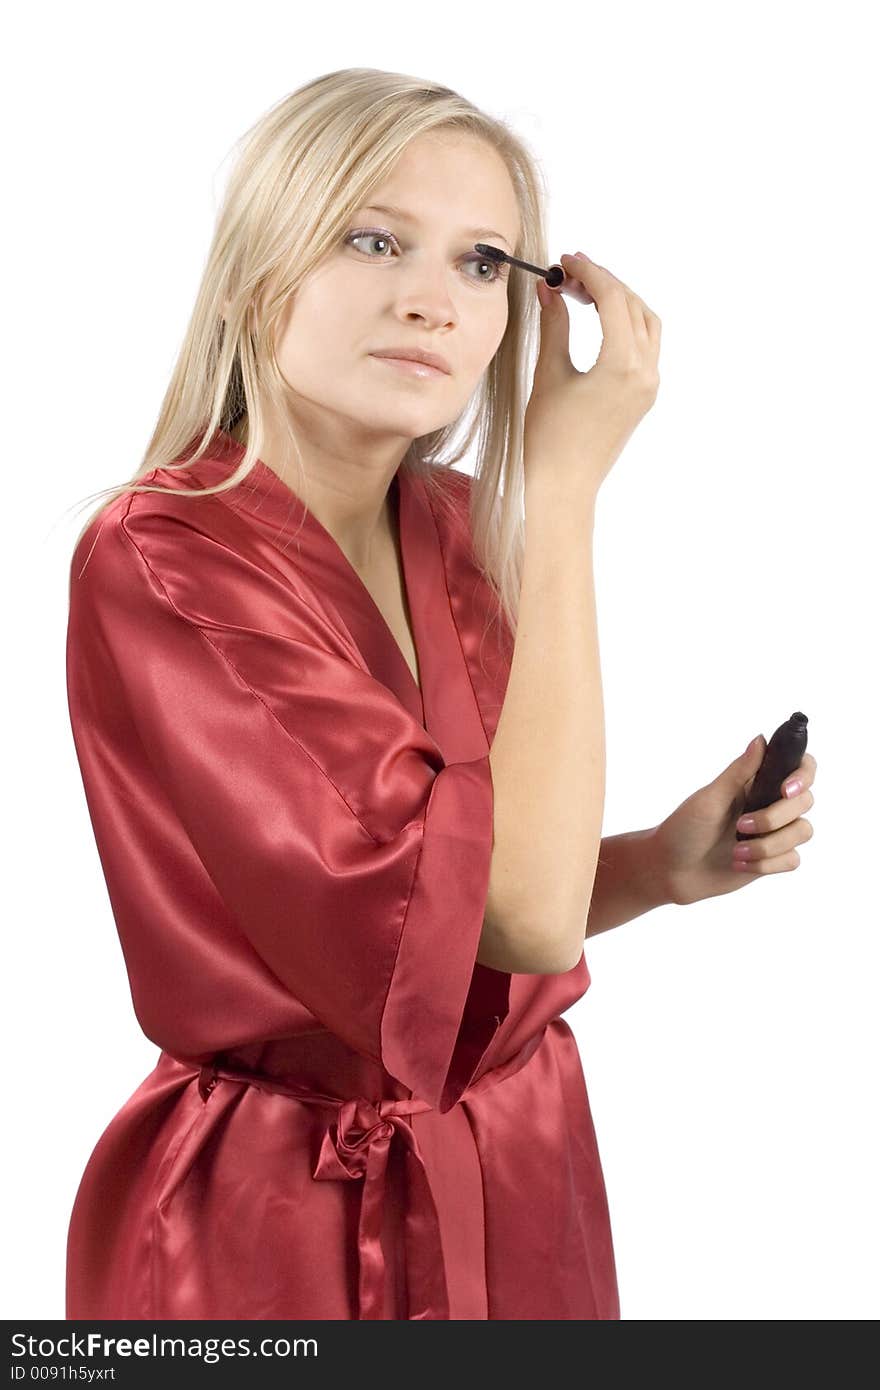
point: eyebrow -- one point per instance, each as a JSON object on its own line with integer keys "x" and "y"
{"x": 475, "y": 232}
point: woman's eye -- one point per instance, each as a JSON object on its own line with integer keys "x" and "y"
{"x": 497, "y": 272}
{"x": 367, "y": 236}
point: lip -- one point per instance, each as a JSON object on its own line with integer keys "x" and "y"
{"x": 407, "y": 354}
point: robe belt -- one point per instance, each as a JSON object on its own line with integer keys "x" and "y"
{"x": 356, "y": 1145}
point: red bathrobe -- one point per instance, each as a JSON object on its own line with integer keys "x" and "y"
{"x": 350, "y": 1116}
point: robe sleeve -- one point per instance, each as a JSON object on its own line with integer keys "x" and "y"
{"x": 353, "y": 859}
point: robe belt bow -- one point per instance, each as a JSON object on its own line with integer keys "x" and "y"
{"x": 355, "y": 1145}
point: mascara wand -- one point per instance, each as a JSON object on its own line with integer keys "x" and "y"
{"x": 555, "y": 276}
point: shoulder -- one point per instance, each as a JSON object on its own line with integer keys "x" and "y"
{"x": 197, "y": 559}
{"x": 163, "y": 544}
{"x": 130, "y": 522}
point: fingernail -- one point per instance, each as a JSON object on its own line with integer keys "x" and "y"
{"x": 581, "y": 255}
{"x": 746, "y": 823}
{"x": 792, "y": 788}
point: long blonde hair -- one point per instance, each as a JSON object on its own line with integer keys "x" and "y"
{"x": 302, "y": 171}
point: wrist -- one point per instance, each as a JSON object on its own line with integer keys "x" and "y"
{"x": 565, "y": 485}
{"x": 670, "y": 887}
{"x": 630, "y": 880}
{"x": 660, "y": 885}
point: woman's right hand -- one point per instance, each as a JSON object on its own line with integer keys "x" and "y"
{"x": 577, "y": 423}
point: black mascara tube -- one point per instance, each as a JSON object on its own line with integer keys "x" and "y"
{"x": 783, "y": 755}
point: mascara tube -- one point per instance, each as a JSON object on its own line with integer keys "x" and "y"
{"x": 784, "y": 753}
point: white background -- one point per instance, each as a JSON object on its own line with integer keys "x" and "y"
{"x": 721, "y": 160}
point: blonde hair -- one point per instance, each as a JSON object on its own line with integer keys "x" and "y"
{"x": 302, "y": 171}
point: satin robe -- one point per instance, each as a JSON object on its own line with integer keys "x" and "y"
{"x": 350, "y": 1116}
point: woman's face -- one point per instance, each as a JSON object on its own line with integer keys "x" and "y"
{"x": 406, "y": 281}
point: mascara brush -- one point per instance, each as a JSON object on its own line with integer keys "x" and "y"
{"x": 555, "y": 276}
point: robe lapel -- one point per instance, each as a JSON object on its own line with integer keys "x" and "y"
{"x": 452, "y": 715}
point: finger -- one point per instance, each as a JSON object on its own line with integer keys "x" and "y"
{"x": 575, "y": 289}
{"x": 782, "y": 864}
{"x": 636, "y": 308}
{"x": 649, "y": 322}
{"x": 805, "y": 774}
{"x": 777, "y": 814}
{"x": 779, "y": 843}
{"x": 634, "y": 300}
{"x": 637, "y": 315}
{"x": 582, "y": 259}
{"x": 645, "y": 323}
{"x": 611, "y": 306}
{"x": 654, "y": 327}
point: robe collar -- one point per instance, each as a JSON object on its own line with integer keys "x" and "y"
{"x": 447, "y": 707}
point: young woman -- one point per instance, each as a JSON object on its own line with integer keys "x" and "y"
{"x": 338, "y": 712}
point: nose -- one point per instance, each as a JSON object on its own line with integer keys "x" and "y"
{"x": 425, "y": 292}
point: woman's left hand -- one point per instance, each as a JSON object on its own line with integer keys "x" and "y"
{"x": 697, "y": 848}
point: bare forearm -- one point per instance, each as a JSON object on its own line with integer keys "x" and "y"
{"x": 548, "y": 755}
{"x": 629, "y": 881}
